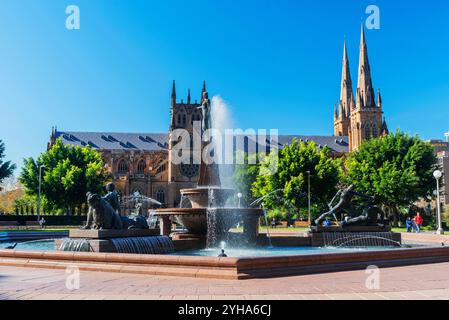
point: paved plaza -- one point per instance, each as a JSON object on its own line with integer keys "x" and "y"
{"x": 411, "y": 282}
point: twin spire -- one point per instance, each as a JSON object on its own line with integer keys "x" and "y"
{"x": 346, "y": 95}
{"x": 365, "y": 93}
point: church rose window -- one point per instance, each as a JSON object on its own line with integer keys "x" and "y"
{"x": 190, "y": 170}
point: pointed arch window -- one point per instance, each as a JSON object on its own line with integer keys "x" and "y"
{"x": 141, "y": 167}
{"x": 122, "y": 167}
{"x": 160, "y": 196}
{"x": 367, "y": 131}
{"x": 375, "y": 131}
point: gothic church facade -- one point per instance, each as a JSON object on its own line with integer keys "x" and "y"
{"x": 361, "y": 117}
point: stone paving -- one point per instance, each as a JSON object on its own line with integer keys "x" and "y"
{"x": 411, "y": 282}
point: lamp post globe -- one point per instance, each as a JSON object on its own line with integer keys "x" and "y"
{"x": 239, "y": 195}
{"x": 437, "y": 175}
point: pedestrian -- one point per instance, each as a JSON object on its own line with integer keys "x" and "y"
{"x": 409, "y": 224}
{"x": 273, "y": 223}
{"x": 42, "y": 222}
{"x": 418, "y": 222}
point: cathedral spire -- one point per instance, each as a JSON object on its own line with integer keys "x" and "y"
{"x": 385, "y": 130}
{"x": 204, "y": 94}
{"x": 379, "y": 99}
{"x": 188, "y": 97}
{"x": 365, "y": 92}
{"x": 346, "y": 94}
{"x": 173, "y": 94}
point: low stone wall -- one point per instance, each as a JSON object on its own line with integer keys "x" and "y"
{"x": 224, "y": 268}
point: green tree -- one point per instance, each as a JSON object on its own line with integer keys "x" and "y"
{"x": 290, "y": 180}
{"x": 6, "y": 168}
{"x": 245, "y": 175}
{"x": 68, "y": 174}
{"x": 397, "y": 169}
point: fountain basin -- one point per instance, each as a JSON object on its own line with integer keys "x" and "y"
{"x": 195, "y": 219}
{"x": 225, "y": 268}
{"x": 203, "y": 197}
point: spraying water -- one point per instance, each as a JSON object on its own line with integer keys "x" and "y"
{"x": 221, "y": 121}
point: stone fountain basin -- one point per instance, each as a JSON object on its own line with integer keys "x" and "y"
{"x": 199, "y": 197}
{"x": 195, "y": 219}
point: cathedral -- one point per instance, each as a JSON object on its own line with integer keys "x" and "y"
{"x": 358, "y": 118}
{"x": 141, "y": 162}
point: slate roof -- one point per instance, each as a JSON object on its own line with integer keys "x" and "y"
{"x": 116, "y": 141}
{"x": 159, "y": 141}
{"x": 337, "y": 144}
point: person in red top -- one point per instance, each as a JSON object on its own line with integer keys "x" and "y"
{"x": 418, "y": 222}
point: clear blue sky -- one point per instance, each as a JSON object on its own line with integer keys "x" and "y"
{"x": 278, "y": 63}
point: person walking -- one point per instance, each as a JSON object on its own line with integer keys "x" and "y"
{"x": 418, "y": 222}
{"x": 273, "y": 223}
{"x": 409, "y": 224}
{"x": 42, "y": 223}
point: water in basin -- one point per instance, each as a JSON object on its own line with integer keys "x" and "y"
{"x": 277, "y": 251}
{"x": 35, "y": 245}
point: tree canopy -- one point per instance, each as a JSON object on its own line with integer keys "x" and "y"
{"x": 293, "y": 163}
{"x": 244, "y": 177}
{"x": 397, "y": 169}
{"x": 68, "y": 174}
{"x": 6, "y": 167}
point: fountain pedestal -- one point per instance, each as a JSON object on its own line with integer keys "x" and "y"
{"x": 115, "y": 240}
{"x": 354, "y": 236}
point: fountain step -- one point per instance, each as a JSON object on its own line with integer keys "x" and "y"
{"x": 351, "y": 229}
{"x": 355, "y": 239}
{"x": 106, "y": 234}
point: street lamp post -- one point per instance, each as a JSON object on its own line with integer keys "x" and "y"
{"x": 438, "y": 174}
{"x": 39, "y": 193}
{"x": 308, "y": 197}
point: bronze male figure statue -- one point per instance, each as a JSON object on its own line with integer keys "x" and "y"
{"x": 344, "y": 205}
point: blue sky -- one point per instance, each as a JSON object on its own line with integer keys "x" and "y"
{"x": 277, "y": 63}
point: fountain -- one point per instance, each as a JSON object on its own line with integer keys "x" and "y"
{"x": 138, "y": 204}
{"x": 209, "y": 218}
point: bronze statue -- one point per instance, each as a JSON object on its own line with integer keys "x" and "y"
{"x": 104, "y": 213}
{"x": 112, "y": 197}
{"x": 370, "y": 214}
{"x": 135, "y": 222}
{"x": 101, "y": 215}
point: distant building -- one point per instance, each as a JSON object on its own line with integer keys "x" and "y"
{"x": 439, "y": 145}
{"x": 447, "y": 136}
{"x": 443, "y": 161}
{"x": 442, "y": 152}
